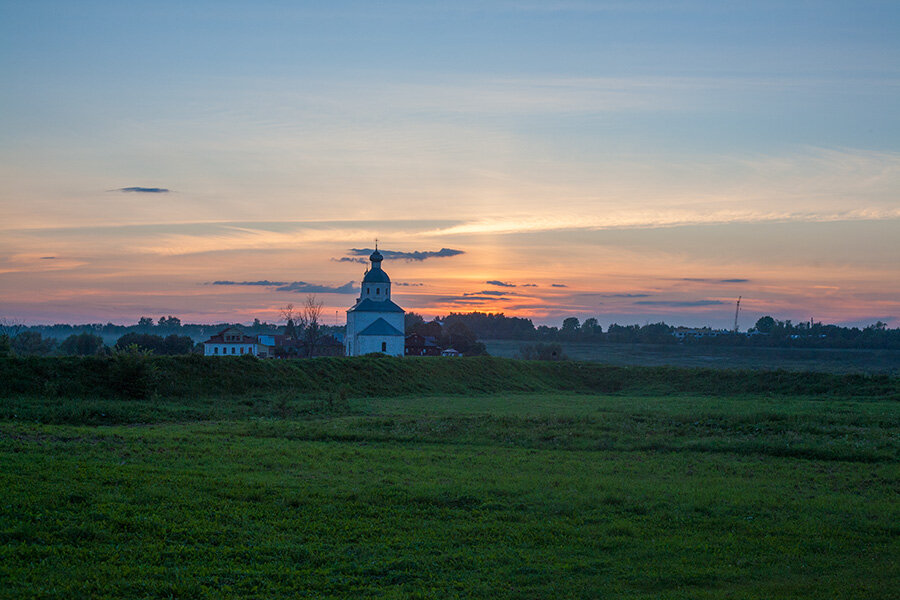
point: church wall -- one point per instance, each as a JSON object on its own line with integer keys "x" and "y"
{"x": 372, "y": 343}
{"x": 376, "y": 291}
{"x": 355, "y": 345}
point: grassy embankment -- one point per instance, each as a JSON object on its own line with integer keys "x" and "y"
{"x": 469, "y": 478}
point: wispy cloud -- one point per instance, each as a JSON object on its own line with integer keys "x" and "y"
{"x": 295, "y": 286}
{"x": 707, "y": 280}
{"x": 558, "y": 285}
{"x": 500, "y": 283}
{"x": 312, "y": 288}
{"x": 624, "y": 295}
{"x": 467, "y": 299}
{"x": 416, "y": 255}
{"x": 262, "y": 282}
{"x": 490, "y": 293}
{"x": 406, "y": 284}
{"x": 143, "y": 190}
{"x": 679, "y": 303}
{"x": 351, "y": 260}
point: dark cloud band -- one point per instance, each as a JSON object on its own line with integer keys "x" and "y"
{"x": 679, "y": 303}
{"x": 417, "y": 255}
{"x": 144, "y": 190}
{"x": 295, "y": 286}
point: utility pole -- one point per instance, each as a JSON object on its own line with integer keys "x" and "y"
{"x": 737, "y": 310}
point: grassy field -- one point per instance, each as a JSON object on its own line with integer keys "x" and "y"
{"x": 530, "y": 494}
{"x": 831, "y": 360}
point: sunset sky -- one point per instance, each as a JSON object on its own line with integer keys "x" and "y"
{"x": 629, "y": 161}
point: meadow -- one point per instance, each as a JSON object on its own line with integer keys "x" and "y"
{"x": 628, "y": 484}
{"x": 830, "y": 360}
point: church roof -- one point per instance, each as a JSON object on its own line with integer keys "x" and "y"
{"x": 376, "y": 275}
{"x": 369, "y": 305}
{"x": 380, "y": 327}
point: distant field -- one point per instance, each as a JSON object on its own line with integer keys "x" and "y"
{"x": 479, "y": 495}
{"x": 680, "y": 355}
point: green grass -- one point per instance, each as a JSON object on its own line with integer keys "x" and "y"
{"x": 480, "y": 495}
{"x": 189, "y": 377}
{"x": 830, "y": 360}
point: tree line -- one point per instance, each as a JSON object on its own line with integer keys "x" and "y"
{"x": 32, "y": 343}
{"x": 461, "y": 331}
{"x": 767, "y": 331}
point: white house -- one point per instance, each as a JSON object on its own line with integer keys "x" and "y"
{"x": 229, "y": 342}
{"x": 375, "y": 323}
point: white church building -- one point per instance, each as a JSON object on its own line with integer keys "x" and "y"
{"x": 375, "y": 323}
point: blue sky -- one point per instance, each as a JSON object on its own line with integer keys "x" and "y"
{"x": 634, "y": 152}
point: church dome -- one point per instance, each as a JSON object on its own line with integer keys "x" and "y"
{"x": 376, "y": 275}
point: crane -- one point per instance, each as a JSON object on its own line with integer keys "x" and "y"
{"x": 737, "y": 310}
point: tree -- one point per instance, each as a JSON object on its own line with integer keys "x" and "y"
{"x": 459, "y": 337}
{"x": 10, "y": 327}
{"x": 570, "y": 327}
{"x": 143, "y": 342}
{"x": 170, "y": 321}
{"x": 591, "y": 326}
{"x": 570, "y": 324}
{"x": 145, "y": 322}
{"x": 83, "y": 344}
{"x": 310, "y": 327}
{"x": 8, "y": 330}
{"x": 430, "y": 329}
{"x": 765, "y": 324}
{"x": 177, "y": 344}
{"x": 287, "y": 314}
{"x": 411, "y": 322}
{"x": 31, "y": 342}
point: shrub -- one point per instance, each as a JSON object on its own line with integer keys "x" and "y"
{"x": 132, "y": 373}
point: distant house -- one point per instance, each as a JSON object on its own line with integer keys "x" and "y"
{"x": 270, "y": 345}
{"x": 329, "y": 345}
{"x": 230, "y": 342}
{"x": 451, "y": 352}
{"x": 421, "y": 345}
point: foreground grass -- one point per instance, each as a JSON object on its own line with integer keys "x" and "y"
{"x": 528, "y": 495}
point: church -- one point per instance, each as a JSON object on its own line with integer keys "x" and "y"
{"x": 375, "y": 323}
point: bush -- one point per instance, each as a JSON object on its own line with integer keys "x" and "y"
{"x": 542, "y": 352}
{"x": 133, "y": 374}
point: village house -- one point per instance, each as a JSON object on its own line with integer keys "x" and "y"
{"x": 230, "y": 342}
{"x": 421, "y": 345}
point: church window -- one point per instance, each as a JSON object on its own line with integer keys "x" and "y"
{"x": 378, "y": 291}
{"x": 215, "y": 349}
{"x": 384, "y": 346}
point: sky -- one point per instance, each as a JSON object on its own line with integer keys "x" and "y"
{"x": 634, "y": 162}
